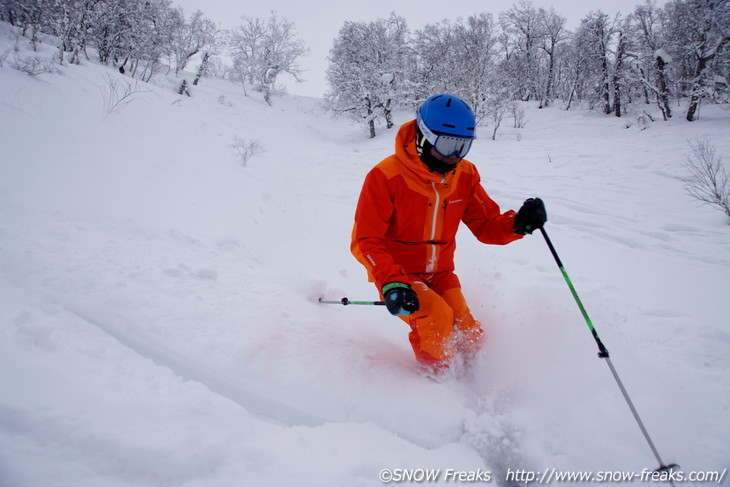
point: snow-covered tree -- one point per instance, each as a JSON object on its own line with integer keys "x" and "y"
{"x": 476, "y": 42}
{"x": 553, "y": 35}
{"x": 437, "y": 64}
{"x": 678, "y": 51}
{"x": 522, "y": 26}
{"x": 368, "y": 70}
{"x": 191, "y": 37}
{"x": 460, "y": 58}
{"x": 114, "y": 32}
{"x": 651, "y": 59}
{"x": 154, "y": 24}
{"x": 700, "y": 33}
{"x": 262, "y": 50}
{"x": 72, "y": 22}
{"x": 135, "y": 35}
{"x": 574, "y": 67}
{"x": 31, "y": 16}
{"x": 592, "y": 46}
{"x": 620, "y": 85}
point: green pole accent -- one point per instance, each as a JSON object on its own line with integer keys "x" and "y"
{"x": 602, "y": 351}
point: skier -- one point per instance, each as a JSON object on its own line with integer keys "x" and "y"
{"x": 406, "y": 220}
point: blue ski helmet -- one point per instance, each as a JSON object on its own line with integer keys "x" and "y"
{"x": 448, "y": 123}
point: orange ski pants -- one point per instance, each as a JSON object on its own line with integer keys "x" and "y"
{"x": 443, "y": 325}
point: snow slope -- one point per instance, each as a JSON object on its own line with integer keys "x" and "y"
{"x": 158, "y": 297}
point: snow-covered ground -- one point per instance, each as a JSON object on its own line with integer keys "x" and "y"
{"x": 160, "y": 323}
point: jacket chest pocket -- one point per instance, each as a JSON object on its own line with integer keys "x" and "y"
{"x": 452, "y": 210}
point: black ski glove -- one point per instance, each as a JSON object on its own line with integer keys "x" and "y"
{"x": 400, "y": 299}
{"x": 531, "y": 216}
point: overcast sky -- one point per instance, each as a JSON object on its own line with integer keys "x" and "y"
{"x": 317, "y": 23}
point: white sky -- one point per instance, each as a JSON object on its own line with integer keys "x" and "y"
{"x": 317, "y": 23}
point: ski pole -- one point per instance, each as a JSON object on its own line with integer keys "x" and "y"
{"x": 603, "y": 353}
{"x": 346, "y": 301}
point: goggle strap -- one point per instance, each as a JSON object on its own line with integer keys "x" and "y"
{"x": 430, "y": 136}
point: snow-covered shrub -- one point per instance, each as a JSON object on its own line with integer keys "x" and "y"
{"x": 707, "y": 179}
{"x": 245, "y": 150}
{"x": 34, "y": 65}
{"x": 118, "y": 94}
{"x": 224, "y": 101}
{"x": 519, "y": 116}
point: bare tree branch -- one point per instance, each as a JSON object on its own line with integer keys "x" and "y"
{"x": 707, "y": 179}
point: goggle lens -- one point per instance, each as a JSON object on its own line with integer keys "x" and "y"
{"x": 448, "y": 145}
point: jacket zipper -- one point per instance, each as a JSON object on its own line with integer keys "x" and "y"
{"x": 432, "y": 260}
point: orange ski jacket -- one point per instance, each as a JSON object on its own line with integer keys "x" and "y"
{"x": 407, "y": 217}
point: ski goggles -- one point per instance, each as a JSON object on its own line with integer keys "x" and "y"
{"x": 446, "y": 145}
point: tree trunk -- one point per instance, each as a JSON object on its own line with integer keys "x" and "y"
{"x": 202, "y": 68}
{"x": 697, "y": 86}
{"x": 617, "y": 81}
{"x": 663, "y": 88}
{"x": 616, "y": 94}
{"x": 549, "y": 88}
{"x": 388, "y": 114}
{"x": 370, "y": 117}
{"x": 184, "y": 88}
{"x": 606, "y": 94}
{"x": 61, "y": 49}
{"x": 573, "y": 87}
{"x": 606, "y": 88}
